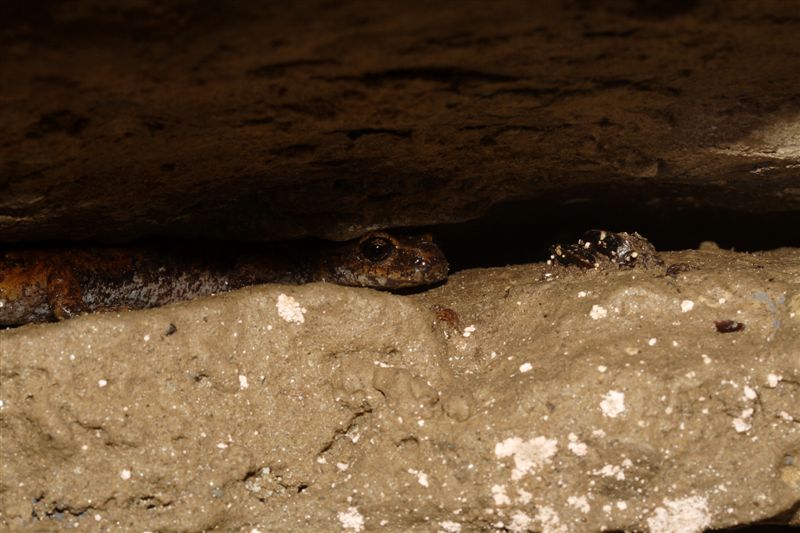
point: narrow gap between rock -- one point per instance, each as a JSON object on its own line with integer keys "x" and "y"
{"x": 523, "y": 232}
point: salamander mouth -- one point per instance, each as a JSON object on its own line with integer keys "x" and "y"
{"x": 384, "y": 261}
{"x": 435, "y": 272}
{"x": 420, "y": 272}
{"x": 425, "y": 272}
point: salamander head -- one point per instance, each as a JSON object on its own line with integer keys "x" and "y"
{"x": 383, "y": 261}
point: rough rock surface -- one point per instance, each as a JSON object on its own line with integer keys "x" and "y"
{"x": 525, "y": 398}
{"x": 261, "y": 120}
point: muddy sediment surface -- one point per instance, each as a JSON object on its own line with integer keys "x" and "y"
{"x": 531, "y": 397}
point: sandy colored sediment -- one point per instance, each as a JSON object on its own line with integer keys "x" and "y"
{"x": 547, "y": 400}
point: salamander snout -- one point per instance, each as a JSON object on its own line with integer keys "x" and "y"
{"x": 430, "y": 265}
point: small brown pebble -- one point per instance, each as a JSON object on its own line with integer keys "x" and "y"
{"x": 170, "y": 330}
{"x": 446, "y": 315}
{"x": 458, "y": 406}
{"x": 728, "y": 326}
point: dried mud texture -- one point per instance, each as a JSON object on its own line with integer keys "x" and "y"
{"x": 265, "y": 120}
{"x": 527, "y": 398}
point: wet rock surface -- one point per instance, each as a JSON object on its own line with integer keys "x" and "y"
{"x": 261, "y": 121}
{"x": 531, "y": 397}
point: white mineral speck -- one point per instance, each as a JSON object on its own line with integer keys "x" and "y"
{"x": 576, "y": 447}
{"x": 525, "y": 367}
{"x": 243, "y": 381}
{"x": 773, "y": 380}
{"x": 551, "y": 523}
{"x": 686, "y": 306}
{"x": 528, "y": 455}
{"x": 749, "y": 393}
{"x": 499, "y": 495}
{"x": 351, "y": 519}
{"x": 125, "y": 474}
{"x": 519, "y": 522}
{"x": 524, "y": 497}
{"x": 706, "y": 359}
{"x": 602, "y": 368}
{"x": 102, "y": 383}
{"x": 450, "y": 527}
{"x": 580, "y": 503}
{"x": 687, "y": 515}
{"x": 469, "y": 330}
{"x": 582, "y": 294}
{"x": 652, "y": 342}
{"x": 598, "y": 312}
{"x": 422, "y": 477}
{"x": 613, "y": 404}
{"x": 741, "y": 425}
{"x": 290, "y": 310}
{"x": 615, "y": 471}
{"x": 786, "y": 416}
{"x": 146, "y": 337}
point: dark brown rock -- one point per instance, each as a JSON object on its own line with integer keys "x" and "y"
{"x": 264, "y": 121}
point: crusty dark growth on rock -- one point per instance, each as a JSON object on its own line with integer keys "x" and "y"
{"x": 597, "y": 247}
{"x": 49, "y": 285}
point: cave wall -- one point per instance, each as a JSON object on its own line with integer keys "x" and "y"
{"x": 265, "y": 120}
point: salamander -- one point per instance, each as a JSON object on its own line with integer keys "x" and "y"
{"x": 55, "y": 284}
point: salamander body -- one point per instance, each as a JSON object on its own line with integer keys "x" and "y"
{"x": 49, "y": 285}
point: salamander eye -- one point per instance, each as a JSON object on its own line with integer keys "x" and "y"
{"x": 377, "y": 249}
